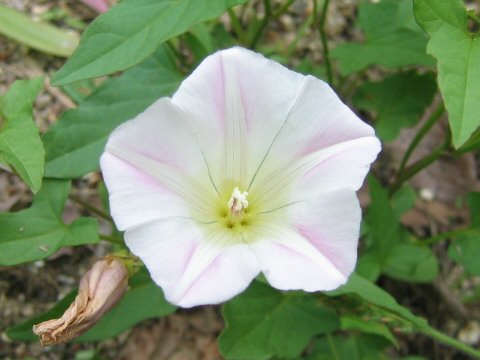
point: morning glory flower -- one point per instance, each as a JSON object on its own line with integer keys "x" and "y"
{"x": 249, "y": 168}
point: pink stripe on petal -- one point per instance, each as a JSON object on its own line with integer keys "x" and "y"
{"x": 314, "y": 236}
{"x": 227, "y": 275}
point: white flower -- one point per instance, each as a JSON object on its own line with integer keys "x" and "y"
{"x": 248, "y": 168}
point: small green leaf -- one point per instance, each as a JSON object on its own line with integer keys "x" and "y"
{"x": 397, "y": 101}
{"x": 144, "y": 300}
{"x": 403, "y": 200}
{"x": 39, "y": 231}
{"x": 20, "y": 143}
{"x": 263, "y": 322}
{"x": 382, "y": 221}
{"x": 465, "y": 250}
{"x": 37, "y": 35}
{"x": 393, "y": 39}
{"x": 412, "y": 263}
{"x": 74, "y": 144}
{"x": 200, "y": 41}
{"x": 375, "y": 295}
{"x": 131, "y": 31}
{"x": 458, "y": 55}
{"x": 355, "y": 347}
{"x": 349, "y": 322}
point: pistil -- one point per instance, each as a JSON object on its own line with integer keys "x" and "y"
{"x": 238, "y": 202}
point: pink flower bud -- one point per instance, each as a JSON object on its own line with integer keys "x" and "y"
{"x": 100, "y": 289}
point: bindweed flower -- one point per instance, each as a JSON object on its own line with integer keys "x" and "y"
{"x": 100, "y": 289}
{"x": 248, "y": 168}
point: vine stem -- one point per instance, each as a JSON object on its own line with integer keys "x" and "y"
{"x": 421, "y": 164}
{"x": 112, "y": 239}
{"x": 434, "y": 117}
{"x": 447, "y": 340}
{"x": 323, "y": 36}
{"x": 269, "y": 15}
{"x": 332, "y": 346}
{"x": 449, "y": 234}
{"x": 90, "y": 207}
{"x": 283, "y": 8}
{"x": 237, "y": 26}
{"x": 263, "y": 24}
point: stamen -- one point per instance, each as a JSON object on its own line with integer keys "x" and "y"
{"x": 238, "y": 202}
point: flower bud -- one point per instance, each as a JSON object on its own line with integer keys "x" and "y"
{"x": 100, "y": 289}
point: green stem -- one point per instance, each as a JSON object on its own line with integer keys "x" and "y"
{"x": 419, "y": 136}
{"x": 112, "y": 239}
{"x": 237, "y": 26}
{"x": 323, "y": 36}
{"x": 181, "y": 59}
{"x": 424, "y": 328}
{"x": 450, "y": 234}
{"x": 332, "y": 346}
{"x": 263, "y": 24}
{"x": 447, "y": 340}
{"x": 90, "y": 207}
{"x": 300, "y": 33}
{"x": 419, "y": 165}
{"x": 282, "y": 9}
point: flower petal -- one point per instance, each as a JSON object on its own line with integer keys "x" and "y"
{"x": 154, "y": 160}
{"x": 340, "y": 166}
{"x": 318, "y": 251}
{"x": 193, "y": 269}
{"x": 331, "y": 223}
{"x": 237, "y": 101}
{"x": 137, "y": 198}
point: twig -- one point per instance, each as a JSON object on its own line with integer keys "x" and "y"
{"x": 263, "y": 24}
{"x": 112, "y": 239}
{"x": 90, "y": 207}
{"x": 450, "y": 299}
{"x": 323, "y": 36}
{"x": 419, "y": 165}
{"x": 420, "y": 135}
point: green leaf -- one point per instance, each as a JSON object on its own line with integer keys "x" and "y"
{"x": 39, "y": 231}
{"x": 412, "y": 263}
{"x": 200, "y": 41}
{"x": 393, "y": 39}
{"x": 380, "y": 299}
{"x": 375, "y": 295}
{"x": 465, "y": 250}
{"x": 458, "y": 56}
{"x": 403, "y": 200}
{"x": 20, "y": 143}
{"x": 356, "y": 347}
{"x": 395, "y": 257}
{"x": 263, "y": 322}
{"x": 37, "y": 35}
{"x": 74, "y": 144}
{"x": 131, "y": 31}
{"x": 368, "y": 266}
{"x": 144, "y": 300}
{"x": 397, "y": 101}
{"x": 350, "y": 322}
{"x": 382, "y": 222}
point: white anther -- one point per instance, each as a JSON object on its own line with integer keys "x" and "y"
{"x": 238, "y": 201}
